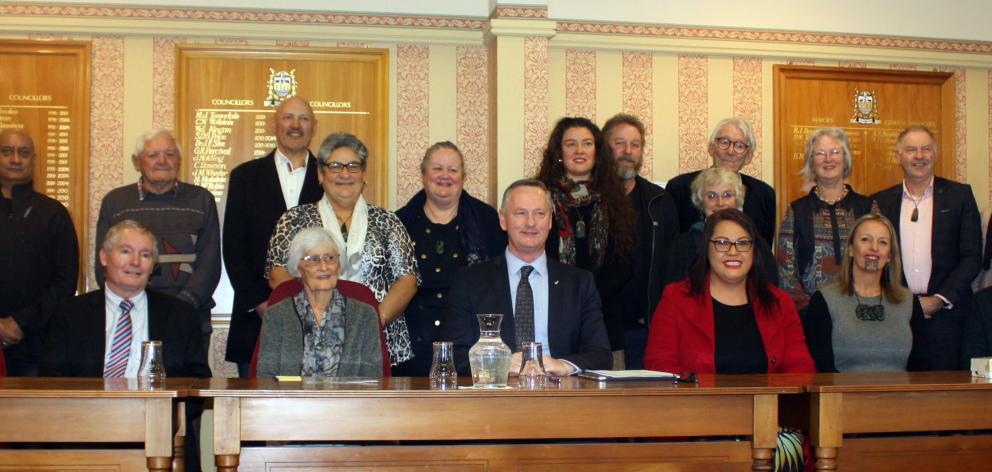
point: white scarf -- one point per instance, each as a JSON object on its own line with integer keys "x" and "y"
{"x": 351, "y": 252}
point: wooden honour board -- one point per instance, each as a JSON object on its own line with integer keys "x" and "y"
{"x": 808, "y": 98}
{"x": 45, "y": 91}
{"x": 224, "y": 104}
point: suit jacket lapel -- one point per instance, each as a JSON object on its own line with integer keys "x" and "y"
{"x": 96, "y": 323}
{"x": 269, "y": 181}
{"x": 157, "y": 321}
{"x": 312, "y": 191}
{"x": 556, "y": 309}
{"x": 503, "y": 300}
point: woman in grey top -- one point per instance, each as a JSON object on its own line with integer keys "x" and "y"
{"x": 866, "y": 320}
{"x": 318, "y": 331}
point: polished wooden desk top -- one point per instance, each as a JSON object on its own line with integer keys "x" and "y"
{"x": 88, "y": 387}
{"x": 571, "y": 387}
{"x": 897, "y": 382}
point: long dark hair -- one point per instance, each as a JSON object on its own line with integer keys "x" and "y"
{"x": 757, "y": 282}
{"x": 622, "y": 220}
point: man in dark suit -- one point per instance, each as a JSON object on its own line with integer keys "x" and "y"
{"x": 731, "y": 146}
{"x": 658, "y": 223}
{"x": 99, "y": 334}
{"x": 258, "y": 193}
{"x": 541, "y": 300}
{"x": 940, "y": 235}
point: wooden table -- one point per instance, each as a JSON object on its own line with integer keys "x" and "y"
{"x": 900, "y": 403}
{"x": 86, "y": 410}
{"x": 579, "y": 420}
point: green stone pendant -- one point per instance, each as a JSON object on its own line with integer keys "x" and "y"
{"x": 439, "y": 247}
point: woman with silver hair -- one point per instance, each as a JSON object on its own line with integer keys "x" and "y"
{"x": 713, "y": 189}
{"x": 375, "y": 249}
{"x": 318, "y": 331}
{"x": 810, "y": 242}
{"x": 451, "y": 229}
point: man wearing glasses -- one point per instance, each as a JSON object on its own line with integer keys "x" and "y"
{"x": 941, "y": 240}
{"x": 732, "y": 146}
{"x": 39, "y": 255}
{"x": 258, "y": 193}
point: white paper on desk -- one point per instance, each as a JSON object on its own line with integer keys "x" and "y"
{"x": 329, "y": 380}
{"x": 639, "y": 374}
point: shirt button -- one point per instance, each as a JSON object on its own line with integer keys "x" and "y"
{"x": 437, "y": 269}
{"x": 454, "y": 256}
{"x": 440, "y": 295}
{"x": 423, "y": 256}
{"x": 428, "y": 231}
{"x": 437, "y": 322}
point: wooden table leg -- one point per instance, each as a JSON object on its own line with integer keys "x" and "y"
{"x": 158, "y": 433}
{"x": 227, "y": 462}
{"x": 826, "y": 428}
{"x": 227, "y": 433}
{"x": 163, "y": 464}
{"x": 826, "y": 458}
{"x": 765, "y": 432}
{"x": 179, "y": 440}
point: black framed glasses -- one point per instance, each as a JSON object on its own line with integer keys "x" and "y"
{"x": 723, "y": 245}
{"x": 337, "y": 167}
{"x": 740, "y": 147}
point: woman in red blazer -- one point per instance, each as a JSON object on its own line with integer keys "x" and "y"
{"x": 725, "y": 317}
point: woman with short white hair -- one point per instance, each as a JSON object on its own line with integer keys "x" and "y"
{"x": 318, "y": 331}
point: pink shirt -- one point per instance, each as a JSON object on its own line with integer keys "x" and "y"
{"x": 916, "y": 237}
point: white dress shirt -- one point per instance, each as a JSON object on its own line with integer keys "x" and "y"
{"x": 290, "y": 180}
{"x": 139, "y": 328}
{"x": 539, "y": 285}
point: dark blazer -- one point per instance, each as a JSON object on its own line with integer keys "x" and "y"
{"x": 76, "y": 343}
{"x": 575, "y": 320}
{"x": 956, "y": 244}
{"x": 683, "y": 339}
{"x": 254, "y": 204}
{"x": 978, "y": 328}
{"x": 759, "y": 203}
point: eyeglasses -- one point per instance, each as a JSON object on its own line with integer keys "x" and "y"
{"x": 7, "y": 151}
{"x": 316, "y": 259}
{"x": 822, "y": 154}
{"x": 911, "y": 151}
{"x": 337, "y": 167}
{"x": 740, "y": 147}
{"x": 727, "y": 195}
{"x": 723, "y": 245}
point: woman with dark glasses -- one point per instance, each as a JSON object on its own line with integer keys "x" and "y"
{"x": 725, "y": 317}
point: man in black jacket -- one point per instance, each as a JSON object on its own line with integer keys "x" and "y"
{"x": 941, "y": 239}
{"x": 259, "y": 192}
{"x": 732, "y": 146}
{"x": 541, "y": 299}
{"x": 658, "y": 224}
{"x": 39, "y": 255}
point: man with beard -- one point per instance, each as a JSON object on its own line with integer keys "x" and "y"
{"x": 658, "y": 225}
{"x": 259, "y": 192}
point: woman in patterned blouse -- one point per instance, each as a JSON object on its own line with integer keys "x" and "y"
{"x": 810, "y": 243}
{"x": 318, "y": 332}
{"x": 375, "y": 248}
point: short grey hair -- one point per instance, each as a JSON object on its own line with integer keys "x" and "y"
{"x": 143, "y": 140}
{"x": 335, "y": 141}
{"x": 526, "y": 183}
{"x": 114, "y": 235}
{"x": 303, "y": 242}
{"x": 742, "y": 124}
{"x": 713, "y": 176}
{"x": 438, "y": 146}
{"x": 836, "y": 133}
{"x": 910, "y": 129}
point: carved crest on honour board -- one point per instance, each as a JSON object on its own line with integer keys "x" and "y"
{"x": 865, "y": 107}
{"x": 282, "y": 85}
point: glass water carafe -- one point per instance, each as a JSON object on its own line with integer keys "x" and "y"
{"x": 490, "y": 357}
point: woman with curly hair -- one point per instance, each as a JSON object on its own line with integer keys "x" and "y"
{"x": 594, "y": 226}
